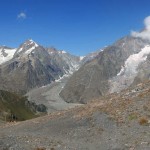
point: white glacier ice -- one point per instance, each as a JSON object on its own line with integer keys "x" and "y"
{"x": 129, "y": 71}
{"x": 9, "y": 54}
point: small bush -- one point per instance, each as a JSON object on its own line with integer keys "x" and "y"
{"x": 42, "y": 148}
{"x": 143, "y": 121}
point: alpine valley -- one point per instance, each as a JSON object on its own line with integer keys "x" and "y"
{"x": 97, "y": 102}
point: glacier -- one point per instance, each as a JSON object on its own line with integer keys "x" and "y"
{"x": 6, "y": 54}
{"x": 129, "y": 71}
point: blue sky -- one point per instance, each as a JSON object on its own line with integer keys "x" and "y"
{"x": 77, "y": 26}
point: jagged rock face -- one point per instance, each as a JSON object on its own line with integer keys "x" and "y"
{"x": 90, "y": 56}
{"x": 66, "y": 61}
{"x": 33, "y": 66}
{"x": 98, "y": 76}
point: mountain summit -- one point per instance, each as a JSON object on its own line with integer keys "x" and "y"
{"x": 27, "y": 47}
{"x": 32, "y": 65}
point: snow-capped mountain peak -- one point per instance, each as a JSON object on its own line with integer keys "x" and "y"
{"x": 34, "y": 65}
{"x": 62, "y": 52}
{"x": 27, "y": 47}
{"x": 32, "y": 43}
{"x": 82, "y": 57}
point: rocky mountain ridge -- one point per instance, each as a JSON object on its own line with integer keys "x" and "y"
{"x": 118, "y": 66}
{"x": 31, "y": 65}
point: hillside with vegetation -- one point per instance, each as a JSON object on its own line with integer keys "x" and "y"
{"x": 14, "y": 107}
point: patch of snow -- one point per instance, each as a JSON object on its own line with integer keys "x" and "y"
{"x": 69, "y": 72}
{"x": 66, "y": 71}
{"x": 43, "y": 86}
{"x": 20, "y": 49}
{"x": 32, "y": 42}
{"x": 82, "y": 57}
{"x": 64, "y": 52}
{"x": 121, "y": 71}
{"x": 9, "y": 55}
{"x": 31, "y": 49}
{"x": 60, "y": 78}
{"x": 72, "y": 63}
{"x": 36, "y": 45}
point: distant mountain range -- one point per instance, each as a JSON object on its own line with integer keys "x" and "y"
{"x": 118, "y": 66}
{"x": 109, "y": 91}
{"x": 111, "y": 69}
{"x": 31, "y": 65}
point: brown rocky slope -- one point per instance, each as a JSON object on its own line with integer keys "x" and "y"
{"x": 118, "y": 121}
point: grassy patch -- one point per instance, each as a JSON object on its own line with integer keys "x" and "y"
{"x": 132, "y": 116}
{"x": 11, "y": 103}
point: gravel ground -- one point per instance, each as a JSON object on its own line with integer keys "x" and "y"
{"x": 114, "y": 122}
{"x": 65, "y": 133}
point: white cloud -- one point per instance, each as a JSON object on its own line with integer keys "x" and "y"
{"x": 22, "y": 15}
{"x": 147, "y": 22}
{"x": 145, "y": 34}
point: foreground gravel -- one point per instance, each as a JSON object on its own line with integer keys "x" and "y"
{"x": 114, "y": 122}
